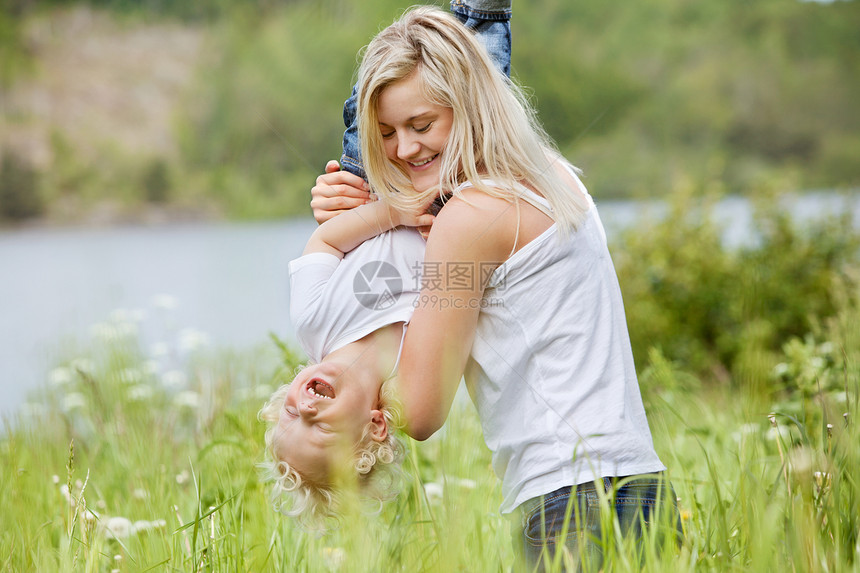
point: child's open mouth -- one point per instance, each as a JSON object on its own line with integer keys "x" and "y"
{"x": 320, "y": 389}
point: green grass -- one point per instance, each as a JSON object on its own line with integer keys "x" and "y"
{"x": 767, "y": 482}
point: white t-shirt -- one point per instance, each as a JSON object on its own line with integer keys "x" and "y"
{"x": 334, "y": 302}
{"x": 551, "y": 371}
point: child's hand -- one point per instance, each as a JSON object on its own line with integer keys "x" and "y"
{"x": 337, "y": 191}
{"x": 417, "y": 217}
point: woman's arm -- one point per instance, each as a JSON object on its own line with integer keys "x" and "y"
{"x": 343, "y": 233}
{"x": 467, "y": 242}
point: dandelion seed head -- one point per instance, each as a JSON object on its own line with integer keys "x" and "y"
{"x": 64, "y": 491}
{"x": 118, "y": 528}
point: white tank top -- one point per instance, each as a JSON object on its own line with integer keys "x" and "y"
{"x": 551, "y": 371}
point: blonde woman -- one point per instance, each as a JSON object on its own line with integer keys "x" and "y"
{"x": 523, "y": 300}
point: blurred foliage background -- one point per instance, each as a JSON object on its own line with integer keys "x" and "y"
{"x": 133, "y": 109}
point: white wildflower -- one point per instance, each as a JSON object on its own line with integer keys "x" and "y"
{"x": 464, "y": 483}
{"x": 433, "y": 491}
{"x": 779, "y": 432}
{"x": 187, "y": 399}
{"x": 780, "y": 370}
{"x": 174, "y": 379}
{"x": 822, "y": 480}
{"x": 60, "y": 377}
{"x": 83, "y": 364}
{"x": 140, "y": 393}
{"x": 139, "y": 493}
{"x": 55, "y": 478}
{"x": 192, "y": 340}
{"x": 826, "y": 348}
{"x": 749, "y": 428}
{"x": 183, "y": 477}
{"x": 73, "y": 401}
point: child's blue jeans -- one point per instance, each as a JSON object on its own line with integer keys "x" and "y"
{"x": 491, "y": 20}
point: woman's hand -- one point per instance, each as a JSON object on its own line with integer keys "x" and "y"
{"x": 337, "y": 191}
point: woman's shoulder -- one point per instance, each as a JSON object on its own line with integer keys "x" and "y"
{"x": 472, "y": 219}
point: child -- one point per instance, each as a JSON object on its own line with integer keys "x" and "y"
{"x": 352, "y": 293}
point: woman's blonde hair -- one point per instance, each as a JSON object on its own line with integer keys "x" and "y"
{"x": 377, "y": 466}
{"x": 495, "y": 133}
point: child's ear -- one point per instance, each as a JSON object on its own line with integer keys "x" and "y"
{"x": 378, "y": 426}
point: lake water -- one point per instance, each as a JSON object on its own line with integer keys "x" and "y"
{"x": 227, "y": 282}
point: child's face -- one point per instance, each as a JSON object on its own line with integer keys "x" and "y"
{"x": 325, "y": 412}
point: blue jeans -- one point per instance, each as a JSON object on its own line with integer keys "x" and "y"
{"x": 551, "y": 522}
{"x": 491, "y": 20}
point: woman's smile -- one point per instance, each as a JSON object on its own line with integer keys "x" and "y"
{"x": 414, "y": 131}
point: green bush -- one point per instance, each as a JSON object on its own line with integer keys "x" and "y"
{"x": 20, "y": 196}
{"x": 709, "y": 307}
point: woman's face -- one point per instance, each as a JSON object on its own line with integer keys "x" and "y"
{"x": 414, "y": 131}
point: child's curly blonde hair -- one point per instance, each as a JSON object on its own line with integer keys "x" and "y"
{"x": 377, "y": 465}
